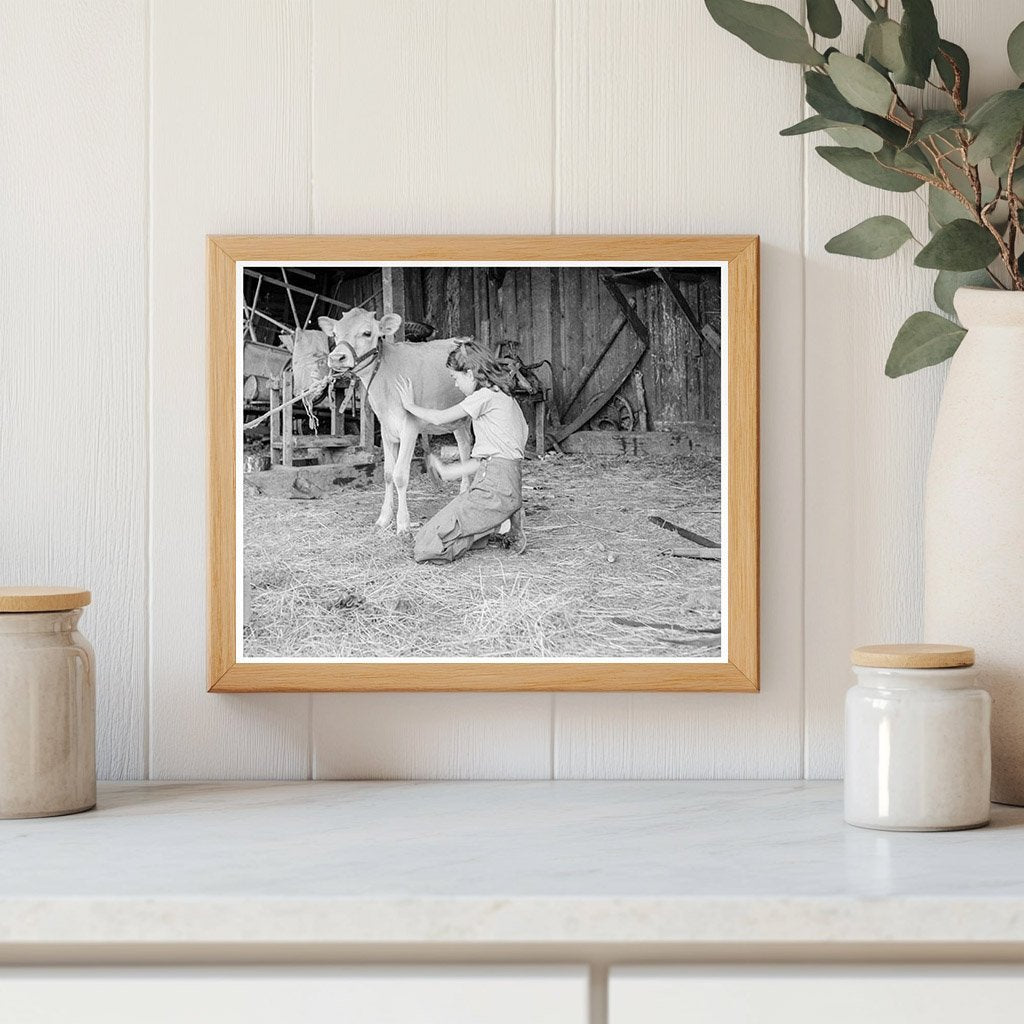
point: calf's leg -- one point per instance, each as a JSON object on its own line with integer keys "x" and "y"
{"x": 464, "y": 441}
{"x": 390, "y": 455}
{"x": 403, "y": 462}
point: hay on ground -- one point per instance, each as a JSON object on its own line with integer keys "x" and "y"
{"x": 596, "y": 580}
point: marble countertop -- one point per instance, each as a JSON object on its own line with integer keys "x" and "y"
{"x": 500, "y": 862}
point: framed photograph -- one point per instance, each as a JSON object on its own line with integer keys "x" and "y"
{"x": 483, "y": 463}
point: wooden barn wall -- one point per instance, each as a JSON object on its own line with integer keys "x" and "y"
{"x": 143, "y": 125}
{"x": 562, "y": 317}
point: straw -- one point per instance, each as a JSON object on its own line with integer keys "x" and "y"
{"x": 327, "y": 584}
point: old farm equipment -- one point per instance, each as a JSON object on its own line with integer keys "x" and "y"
{"x": 282, "y": 382}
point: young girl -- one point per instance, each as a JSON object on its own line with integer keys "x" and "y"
{"x": 492, "y": 503}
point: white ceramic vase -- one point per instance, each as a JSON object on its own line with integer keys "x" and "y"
{"x": 974, "y": 518}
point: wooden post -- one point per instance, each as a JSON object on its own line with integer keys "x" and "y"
{"x": 366, "y": 421}
{"x": 641, "y": 400}
{"x": 347, "y": 400}
{"x": 332, "y": 401}
{"x": 275, "y": 421}
{"x": 539, "y": 412}
{"x": 252, "y": 306}
{"x": 287, "y": 439}
{"x": 393, "y": 295}
{"x": 291, "y": 301}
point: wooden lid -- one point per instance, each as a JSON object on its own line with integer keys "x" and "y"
{"x": 42, "y": 599}
{"x": 913, "y": 656}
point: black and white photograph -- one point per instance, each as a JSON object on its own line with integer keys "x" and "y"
{"x": 446, "y": 461}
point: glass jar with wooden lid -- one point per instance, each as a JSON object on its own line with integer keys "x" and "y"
{"x": 47, "y": 704}
{"x": 918, "y": 749}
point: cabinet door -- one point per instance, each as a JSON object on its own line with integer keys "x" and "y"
{"x": 172, "y": 995}
{"x": 812, "y": 995}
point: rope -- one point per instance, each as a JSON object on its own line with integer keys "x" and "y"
{"x": 316, "y": 386}
{"x": 323, "y": 382}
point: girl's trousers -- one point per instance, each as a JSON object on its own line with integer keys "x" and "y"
{"x": 495, "y": 493}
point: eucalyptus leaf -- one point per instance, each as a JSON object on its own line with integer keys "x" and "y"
{"x": 948, "y": 281}
{"x": 919, "y": 40}
{"x": 949, "y": 55}
{"x": 769, "y": 31}
{"x": 1015, "y": 50}
{"x": 860, "y": 85}
{"x": 911, "y": 159}
{"x": 926, "y": 339}
{"x": 996, "y": 124}
{"x": 934, "y": 122}
{"x": 944, "y": 208}
{"x": 959, "y": 245}
{"x": 856, "y": 136}
{"x": 1000, "y": 161}
{"x": 824, "y": 18}
{"x": 959, "y": 180}
{"x": 817, "y": 123}
{"x": 864, "y": 167}
{"x": 882, "y": 44}
{"x": 825, "y": 98}
{"x": 872, "y": 239}
{"x": 892, "y": 133}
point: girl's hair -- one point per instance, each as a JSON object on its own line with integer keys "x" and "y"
{"x": 487, "y": 370}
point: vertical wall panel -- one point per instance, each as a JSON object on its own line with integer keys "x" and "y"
{"x": 868, "y": 437}
{"x": 665, "y": 124}
{"x": 73, "y": 367}
{"x": 230, "y": 153}
{"x": 432, "y": 116}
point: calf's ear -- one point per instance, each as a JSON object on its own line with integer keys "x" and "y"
{"x": 389, "y": 323}
{"x": 287, "y": 340}
{"x": 326, "y": 324}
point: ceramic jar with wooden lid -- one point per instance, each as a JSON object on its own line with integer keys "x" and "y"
{"x": 47, "y": 704}
{"x": 918, "y": 749}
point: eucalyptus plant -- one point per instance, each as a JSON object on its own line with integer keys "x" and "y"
{"x": 967, "y": 157}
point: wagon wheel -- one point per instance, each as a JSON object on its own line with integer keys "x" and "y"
{"x": 616, "y": 415}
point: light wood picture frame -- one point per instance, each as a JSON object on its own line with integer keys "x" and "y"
{"x": 737, "y": 667}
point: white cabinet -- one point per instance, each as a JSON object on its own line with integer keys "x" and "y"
{"x": 836, "y": 995}
{"x": 280, "y": 995}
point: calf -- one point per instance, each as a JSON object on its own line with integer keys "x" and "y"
{"x": 366, "y": 345}
{"x": 310, "y": 351}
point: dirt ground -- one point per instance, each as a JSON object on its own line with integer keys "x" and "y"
{"x": 597, "y": 579}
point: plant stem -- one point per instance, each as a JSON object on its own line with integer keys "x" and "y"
{"x": 1013, "y": 203}
{"x": 954, "y": 93}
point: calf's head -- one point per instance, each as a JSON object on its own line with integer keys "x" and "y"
{"x": 355, "y": 333}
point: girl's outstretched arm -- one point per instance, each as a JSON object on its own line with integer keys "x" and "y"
{"x": 452, "y": 470}
{"x": 437, "y": 417}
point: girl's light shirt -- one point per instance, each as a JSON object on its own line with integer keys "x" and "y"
{"x": 499, "y": 427}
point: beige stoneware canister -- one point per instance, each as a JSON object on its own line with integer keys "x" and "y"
{"x": 47, "y": 704}
{"x": 918, "y": 745}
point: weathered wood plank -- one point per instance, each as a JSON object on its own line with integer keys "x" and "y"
{"x": 703, "y": 437}
{"x": 393, "y": 295}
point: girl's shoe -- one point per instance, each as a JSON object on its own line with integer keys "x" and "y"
{"x": 515, "y": 538}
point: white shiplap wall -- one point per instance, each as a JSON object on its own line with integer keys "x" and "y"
{"x": 134, "y": 129}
